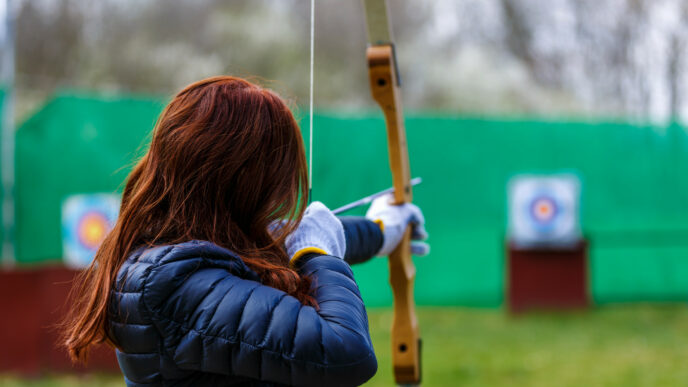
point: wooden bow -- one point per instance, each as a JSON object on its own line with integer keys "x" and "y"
{"x": 384, "y": 85}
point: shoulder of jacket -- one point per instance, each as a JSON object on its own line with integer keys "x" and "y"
{"x": 166, "y": 265}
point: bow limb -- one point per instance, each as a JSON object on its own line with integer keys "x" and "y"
{"x": 384, "y": 84}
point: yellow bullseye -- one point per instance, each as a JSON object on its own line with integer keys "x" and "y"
{"x": 93, "y": 230}
{"x": 544, "y": 210}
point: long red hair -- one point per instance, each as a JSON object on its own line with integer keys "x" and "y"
{"x": 226, "y": 161}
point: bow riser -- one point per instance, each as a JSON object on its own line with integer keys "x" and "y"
{"x": 402, "y": 272}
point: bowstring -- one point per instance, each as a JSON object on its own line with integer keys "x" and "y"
{"x": 310, "y": 105}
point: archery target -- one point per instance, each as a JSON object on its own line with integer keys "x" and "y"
{"x": 86, "y": 220}
{"x": 544, "y": 210}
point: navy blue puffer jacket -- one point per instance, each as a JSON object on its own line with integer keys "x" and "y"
{"x": 195, "y": 314}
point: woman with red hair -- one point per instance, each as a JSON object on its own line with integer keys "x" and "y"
{"x": 216, "y": 273}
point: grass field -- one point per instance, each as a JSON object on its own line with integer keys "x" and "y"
{"x": 638, "y": 345}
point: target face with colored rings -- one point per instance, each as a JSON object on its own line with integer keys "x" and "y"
{"x": 86, "y": 221}
{"x": 544, "y": 209}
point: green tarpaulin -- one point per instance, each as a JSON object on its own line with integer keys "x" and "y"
{"x": 634, "y": 194}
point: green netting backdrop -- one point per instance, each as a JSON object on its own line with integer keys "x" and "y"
{"x": 634, "y": 201}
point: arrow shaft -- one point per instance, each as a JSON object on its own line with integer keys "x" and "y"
{"x": 368, "y": 199}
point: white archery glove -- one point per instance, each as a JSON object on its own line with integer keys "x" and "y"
{"x": 394, "y": 219}
{"x": 320, "y": 231}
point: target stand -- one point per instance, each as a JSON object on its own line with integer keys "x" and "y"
{"x": 547, "y": 279}
{"x": 547, "y": 257}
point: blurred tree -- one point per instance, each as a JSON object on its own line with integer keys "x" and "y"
{"x": 585, "y": 58}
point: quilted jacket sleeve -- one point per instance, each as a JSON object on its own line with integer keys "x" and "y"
{"x": 364, "y": 238}
{"x": 213, "y": 321}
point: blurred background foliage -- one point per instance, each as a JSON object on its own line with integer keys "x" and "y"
{"x": 564, "y": 58}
